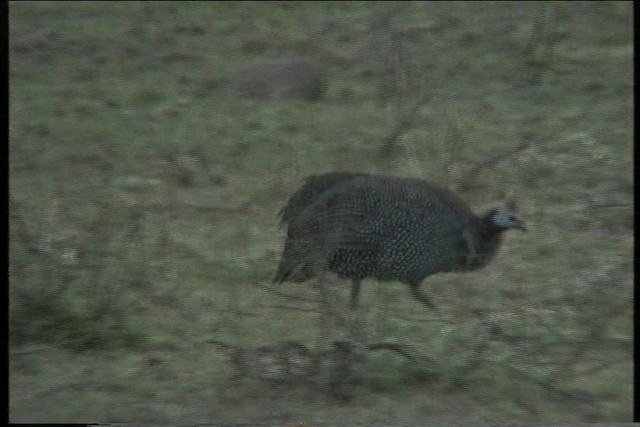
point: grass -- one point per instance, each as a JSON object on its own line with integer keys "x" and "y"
{"x": 144, "y": 201}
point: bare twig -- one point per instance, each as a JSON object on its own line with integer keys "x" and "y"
{"x": 479, "y": 167}
{"x": 605, "y": 205}
{"x": 417, "y": 319}
{"x": 283, "y": 294}
{"x": 398, "y": 348}
{"x": 238, "y": 312}
{"x": 601, "y": 366}
{"x": 222, "y": 344}
{"x": 29, "y": 350}
{"x": 403, "y": 123}
{"x": 574, "y": 395}
{"x": 285, "y": 307}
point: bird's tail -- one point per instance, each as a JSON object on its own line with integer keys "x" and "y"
{"x": 294, "y": 265}
{"x": 292, "y": 272}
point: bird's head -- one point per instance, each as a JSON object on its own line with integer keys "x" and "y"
{"x": 506, "y": 217}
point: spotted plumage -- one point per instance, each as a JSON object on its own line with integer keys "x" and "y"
{"x": 388, "y": 228}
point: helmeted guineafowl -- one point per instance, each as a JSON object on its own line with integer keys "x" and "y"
{"x": 314, "y": 186}
{"x": 388, "y": 228}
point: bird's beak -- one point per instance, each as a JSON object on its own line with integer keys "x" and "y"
{"x": 520, "y": 226}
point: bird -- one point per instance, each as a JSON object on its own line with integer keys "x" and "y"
{"x": 388, "y": 228}
{"x": 308, "y": 193}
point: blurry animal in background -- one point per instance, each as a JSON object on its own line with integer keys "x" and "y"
{"x": 285, "y": 78}
{"x": 388, "y": 228}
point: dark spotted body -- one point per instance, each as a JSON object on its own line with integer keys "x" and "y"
{"x": 388, "y": 228}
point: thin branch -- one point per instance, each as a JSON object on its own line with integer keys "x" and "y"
{"x": 601, "y": 366}
{"x": 224, "y": 345}
{"x": 403, "y": 123}
{"x": 577, "y": 396}
{"x": 606, "y": 205}
{"x": 28, "y": 350}
{"x": 238, "y": 312}
{"x": 479, "y": 167}
{"x": 419, "y": 320}
{"x": 285, "y": 307}
{"x": 398, "y": 348}
{"x": 283, "y": 294}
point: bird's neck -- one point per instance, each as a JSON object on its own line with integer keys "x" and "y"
{"x": 486, "y": 244}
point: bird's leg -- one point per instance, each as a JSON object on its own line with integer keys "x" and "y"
{"x": 420, "y": 296}
{"x": 324, "y": 316}
{"x": 331, "y": 315}
{"x": 355, "y": 293}
{"x": 356, "y": 325}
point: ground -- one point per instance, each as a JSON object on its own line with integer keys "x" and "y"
{"x": 144, "y": 198}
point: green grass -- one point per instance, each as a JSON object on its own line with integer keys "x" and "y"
{"x": 144, "y": 201}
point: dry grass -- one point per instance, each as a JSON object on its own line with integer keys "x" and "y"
{"x": 144, "y": 200}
